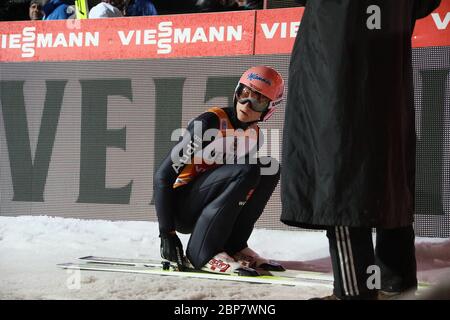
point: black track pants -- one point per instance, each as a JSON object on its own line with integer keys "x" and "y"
{"x": 355, "y": 262}
{"x": 220, "y": 208}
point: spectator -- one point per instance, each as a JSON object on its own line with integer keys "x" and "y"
{"x": 56, "y": 10}
{"x": 134, "y": 8}
{"x": 35, "y": 10}
{"x": 215, "y": 5}
{"x": 106, "y": 9}
{"x": 175, "y": 6}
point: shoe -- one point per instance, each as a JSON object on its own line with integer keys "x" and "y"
{"x": 330, "y": 297}
{"x": 224, "y": 264}
{"x": 167, "y": 264}
{"x": 249, "y": 258}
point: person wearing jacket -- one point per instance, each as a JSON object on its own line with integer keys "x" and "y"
{"x": 106, "y": 9}
{"x": 35, "y": 10}
{"x": 135, "y": 8}
{"x": 349, "y": 140}
{"x": 209, "y": 187}
{"x": 56, "y": 10}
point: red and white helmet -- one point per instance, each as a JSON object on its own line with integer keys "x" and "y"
{"x": 266, "y": 81}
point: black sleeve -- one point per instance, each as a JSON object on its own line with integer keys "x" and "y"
{"x": 423, "y": 8}
{"x": 168, "y": 171}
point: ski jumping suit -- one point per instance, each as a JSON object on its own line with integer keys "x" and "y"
{"x": 217, "y": 203}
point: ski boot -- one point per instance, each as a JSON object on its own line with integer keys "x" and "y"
{"x": 183, "y": 265}
{"x": 249, "y": 258}
{"x": 224, "y": 264}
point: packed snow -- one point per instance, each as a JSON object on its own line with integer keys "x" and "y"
{"x": 31, "y": 247}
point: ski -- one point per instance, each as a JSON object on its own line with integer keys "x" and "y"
{"x": 155, "y": 267}
{"x": 307, "y": 275}
{"x": 263, "y": 279}
{"x": 121, "y": 261}
{"x": 150, "y": 268}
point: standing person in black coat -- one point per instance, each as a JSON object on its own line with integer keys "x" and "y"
{"x": 349, "y": 146}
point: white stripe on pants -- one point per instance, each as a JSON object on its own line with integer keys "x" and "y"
{"x": 346, "y": 261}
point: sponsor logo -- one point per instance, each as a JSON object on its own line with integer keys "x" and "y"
{"x": 277, "y": 102}
{"x": 254, "y": 76}
{"x": 250, "y": 193}
{"x": 185, "y": 159}
{"x": 164, "y": 36}
{"x": 282, "y": 30}
{"x": 28, "y": 41}
{"x": 441, "y": 24}
{"x": 218, "y": 265}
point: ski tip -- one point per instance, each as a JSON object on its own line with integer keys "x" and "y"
{"x": 65, "y": 265}
{"x": 86, "y": 258}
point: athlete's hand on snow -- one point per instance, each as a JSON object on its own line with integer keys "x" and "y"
{"x": 171, "y": 248}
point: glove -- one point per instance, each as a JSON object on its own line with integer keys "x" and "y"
{"x": 171, "y": 248}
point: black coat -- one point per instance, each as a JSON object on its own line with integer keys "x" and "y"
{"x": 349, "y": 132}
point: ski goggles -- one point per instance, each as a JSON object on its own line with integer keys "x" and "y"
{"x": 258, "y": 102}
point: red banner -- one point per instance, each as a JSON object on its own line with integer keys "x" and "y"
{"x": 191, "y": 35}
{"x": 276, "y": 29}
{"x": 434, "y": 30}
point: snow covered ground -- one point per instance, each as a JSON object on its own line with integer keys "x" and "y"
{"x": 30, "y": 248}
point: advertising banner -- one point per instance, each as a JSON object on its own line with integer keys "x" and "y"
{"x": 189, "y": 35}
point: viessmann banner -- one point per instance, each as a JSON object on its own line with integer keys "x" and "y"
{"x": 192, "y": 35}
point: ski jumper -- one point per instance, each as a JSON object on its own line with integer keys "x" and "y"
{"x": 218, "y": 204}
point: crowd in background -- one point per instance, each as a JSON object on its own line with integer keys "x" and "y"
{"x": 13, "y": 10}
